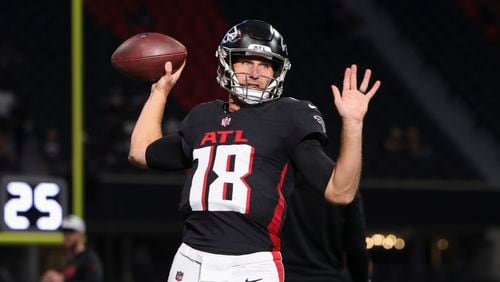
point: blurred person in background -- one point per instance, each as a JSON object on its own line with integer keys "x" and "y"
{"x": 324, "y": 242}
{"x": 83, "y": 265}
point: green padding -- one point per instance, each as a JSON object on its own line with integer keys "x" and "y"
{"x": 16, "y": 238}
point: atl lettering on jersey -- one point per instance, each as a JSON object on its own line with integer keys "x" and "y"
{"x": 222, "y": 137}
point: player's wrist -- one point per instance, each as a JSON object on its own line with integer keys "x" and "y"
{"x": 352, "y": 121}
{"x": 352, "y": 125}
{"x": 158, "y": 92}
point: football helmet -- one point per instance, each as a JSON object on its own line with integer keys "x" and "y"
{"x": 252, "y": 38}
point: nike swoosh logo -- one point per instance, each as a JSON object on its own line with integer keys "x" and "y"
{"x": 312, "y": 106}
{"x": 253, "y": 280}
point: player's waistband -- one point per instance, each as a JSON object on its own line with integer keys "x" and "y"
{"x": 198, "y": 256}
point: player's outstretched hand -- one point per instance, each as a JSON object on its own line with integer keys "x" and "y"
{"x": 352, "y": 104}
{"x": 165, "y": 84}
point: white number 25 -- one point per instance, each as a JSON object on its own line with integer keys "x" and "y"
{"x": 26, "y": 198}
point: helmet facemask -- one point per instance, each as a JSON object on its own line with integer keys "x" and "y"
{"x": 228, "y": 79}
{"x": 240, "y": 42}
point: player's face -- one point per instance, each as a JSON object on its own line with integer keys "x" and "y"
{"x": 71, "y": 239}
{"x": 254, "y": 72}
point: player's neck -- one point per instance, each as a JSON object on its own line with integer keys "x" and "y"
{"x": 233, "y": 105}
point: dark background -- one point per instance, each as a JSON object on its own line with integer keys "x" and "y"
{"x": 418, "y": 182}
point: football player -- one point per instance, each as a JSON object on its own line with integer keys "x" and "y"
{"x": 244, "y": 152}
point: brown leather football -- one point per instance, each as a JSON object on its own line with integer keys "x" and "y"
{"x": 143, "y": 56}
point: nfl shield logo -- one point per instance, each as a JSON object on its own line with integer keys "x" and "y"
{"x": 179, "y": 275}
{"x": 225, "y": 121}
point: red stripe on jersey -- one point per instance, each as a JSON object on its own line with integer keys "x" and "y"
{"x": 279, "y": 265}
{"x": 250, "y": 166}
{"x": 204, "y": 192}
{"x": 275, "y": 224}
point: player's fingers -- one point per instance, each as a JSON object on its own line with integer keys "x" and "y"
{"x": 354, "y": 79}
{"x": 345, "y": 84}
{"x": 179, "y": 70}
{"x": 374, "y": 89}
{"x": 168, "y": 68}
{"x": 366, "y": 79}
{"x": 182, "y": 66}
{"x": 336, "y": 94}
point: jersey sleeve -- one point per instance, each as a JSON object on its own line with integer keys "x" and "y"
{"x": 307, "y": 120}
{"x": 175, "y": 152}
{"x": 93, "y": 271}
{"x": 168, "y": 153}
{"x": 313, "y": 164}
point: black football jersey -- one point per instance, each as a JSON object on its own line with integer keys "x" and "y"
{"x": 85, "y": 266}
{"x": 234, "y": 201}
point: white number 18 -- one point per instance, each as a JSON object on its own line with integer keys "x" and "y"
{"x": 241, "y": 155}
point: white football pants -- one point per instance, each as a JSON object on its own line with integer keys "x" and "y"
{"x": 190, "y": 265}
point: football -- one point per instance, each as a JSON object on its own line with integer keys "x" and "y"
{"x": 143, "y": 56}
